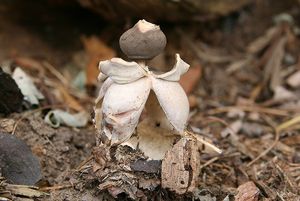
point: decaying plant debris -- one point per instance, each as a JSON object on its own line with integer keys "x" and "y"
{"x": 242, "y": 86}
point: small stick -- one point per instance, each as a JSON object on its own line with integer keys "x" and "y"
{"x": 278, "y": 129}
{"x": 250, "y": 109}
{"x": 209, "y": 162}
{"x": 83, "y": 163}
{"x": 56, "y": 187}
{"x": 199, "y": 139}
{"x": 277, "y": 135}
{"x": 56, "y": 73}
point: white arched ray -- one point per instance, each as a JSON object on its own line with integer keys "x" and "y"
{"x": 121, "y": 71}
{"x": 98, "y": 102}
{"x": 179, "y": 68}
{"x": 173, "y": 101}
{"x": 122, "y": 106}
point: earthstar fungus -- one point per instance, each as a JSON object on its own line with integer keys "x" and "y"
{"x": 131, "y": 90}
{"x": 127, "y": 86}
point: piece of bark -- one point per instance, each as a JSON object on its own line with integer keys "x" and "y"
{"x": 180, "y": 167}
{"x": 247, "y": 192}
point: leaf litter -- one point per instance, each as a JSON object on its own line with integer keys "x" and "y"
{"x": 247, "y": 104}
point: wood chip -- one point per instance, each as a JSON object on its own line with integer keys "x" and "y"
{"x": 25, "y": 191}
{"x": 180, "y": 167}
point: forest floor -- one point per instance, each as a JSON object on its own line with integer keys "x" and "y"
{"x": 244, "y": 90}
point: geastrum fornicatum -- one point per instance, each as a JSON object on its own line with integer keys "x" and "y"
{"x": 147, "y": 111}
{"x": 130, "y": 86}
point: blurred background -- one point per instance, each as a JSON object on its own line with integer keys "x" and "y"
{"x": 78, "y": 34}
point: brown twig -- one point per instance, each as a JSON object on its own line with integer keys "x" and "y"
{"x": 203, "y": 141}
{"x": 209, "y": 162}
{"x": 56, "y": 73}
{"x": 258, "y": 109}
{"x": 78, "y": 168}
{"x": 56, "y": 187}
{"x": 277, "y": 135}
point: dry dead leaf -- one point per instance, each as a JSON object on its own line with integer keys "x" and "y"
{"x": 97, "y": 51}
{"x": 190, "y": 79}
{"x": 69, "y": 100}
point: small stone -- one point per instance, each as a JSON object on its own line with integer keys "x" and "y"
{"x": 17, "y": 163}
